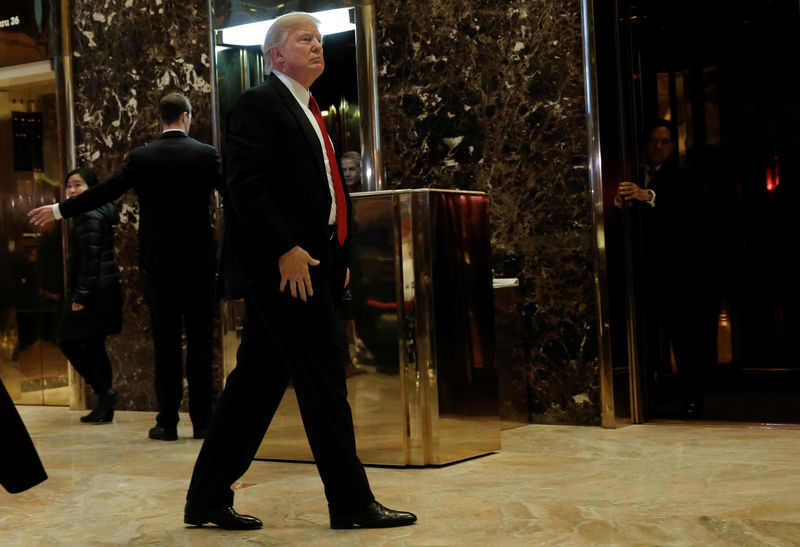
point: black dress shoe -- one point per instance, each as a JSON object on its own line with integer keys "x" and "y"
{"x": 98, "y": 416}
{"x": 163, "y": 434}
{"x": 103, "y": 412}
{"x": 225, "y": 518}
{"x": 373, "y": 515}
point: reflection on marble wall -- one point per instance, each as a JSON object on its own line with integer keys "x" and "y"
{"x": 489, "y": 96}
{"x": 126, "y": 56}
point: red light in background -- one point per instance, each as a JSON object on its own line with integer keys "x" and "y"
{"x": 773, "y": 175}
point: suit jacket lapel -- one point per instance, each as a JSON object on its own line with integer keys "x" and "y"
{"x": 305, "y": 125}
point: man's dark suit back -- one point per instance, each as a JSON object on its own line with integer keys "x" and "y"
{"x": 173, "y": 177}
{"x": 277, "y": 195}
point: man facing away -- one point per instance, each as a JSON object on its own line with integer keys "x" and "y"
{"x": 285, "y": 249}
{"x": 173, "y": 178}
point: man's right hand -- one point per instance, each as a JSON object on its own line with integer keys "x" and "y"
{"x": 293, "y": 266}
{"x": 41, "y": 215}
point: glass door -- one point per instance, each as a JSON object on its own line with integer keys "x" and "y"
{"x": 724, "y": 77}
{"x": 31, "y": 260}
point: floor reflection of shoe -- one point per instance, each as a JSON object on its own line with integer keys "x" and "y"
{"x": 353, "y": 370}
{"x": 363, "y": 354}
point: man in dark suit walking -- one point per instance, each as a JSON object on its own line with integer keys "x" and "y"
{"x": 284, "y": 252}
{"x": 173, "y": 178}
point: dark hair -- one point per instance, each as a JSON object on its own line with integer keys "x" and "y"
{"x": 172, "y": 106}
{"x": 85, "y": 173}
{"x": 660, "y": 122}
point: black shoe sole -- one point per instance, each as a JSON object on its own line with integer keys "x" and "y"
{"x": 106, "y": 418}
{"x": 349, "y": 524}
{"x": 163, "y": 436}
{"x": 200, "y": 522}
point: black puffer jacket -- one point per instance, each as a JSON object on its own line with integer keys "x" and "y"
{"x": 92, "y": 277}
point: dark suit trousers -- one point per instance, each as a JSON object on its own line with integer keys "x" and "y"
{"x": 284, "y": 338}
{"x": 182, "y": 299}
{"x": 690, "y": 322}
{"x": 90, "y": 359}
{"x": 20, "y": 466}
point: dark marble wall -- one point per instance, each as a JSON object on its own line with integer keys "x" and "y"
{"x": 126, "y": 56}
{"x": 485, "y": 95}
{"x": 474, "y": 94}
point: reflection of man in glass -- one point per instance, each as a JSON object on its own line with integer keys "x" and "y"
{"x": 351, "y": 166}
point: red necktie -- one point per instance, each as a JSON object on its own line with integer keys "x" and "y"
{"x": 338, "y": 190}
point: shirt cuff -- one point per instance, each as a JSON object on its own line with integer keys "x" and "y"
{"x": 57, "y": 212}
{"x": 652, "y": 201}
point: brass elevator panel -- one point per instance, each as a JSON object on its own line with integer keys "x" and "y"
{"x": 422, "y": 385}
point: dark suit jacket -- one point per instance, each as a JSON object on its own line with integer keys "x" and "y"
{"x": 674, "y": 236}
{"x": 92, "y": 277}
{"x": 277, "y": 194}
{"x": 173, "y": 177}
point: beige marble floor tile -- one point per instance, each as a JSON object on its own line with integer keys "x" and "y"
{"x": 549, "y": 485}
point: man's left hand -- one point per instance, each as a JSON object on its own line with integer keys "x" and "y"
{"x": 41, "y": 215}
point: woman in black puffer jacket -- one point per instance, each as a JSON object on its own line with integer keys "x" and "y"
{"x": 93, "y": 308}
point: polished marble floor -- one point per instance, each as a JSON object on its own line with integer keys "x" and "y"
{"x": 659, "y": 484}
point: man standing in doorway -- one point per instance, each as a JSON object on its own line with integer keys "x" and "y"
{"x": 285, "y": 252}
{"x": 671, "y": 249}
{"x": 173, "y": 178}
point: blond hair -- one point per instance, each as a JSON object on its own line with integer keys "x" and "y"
{"x": 280, "y": 29}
